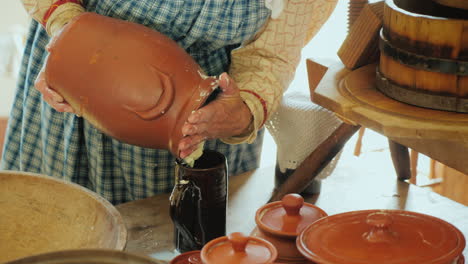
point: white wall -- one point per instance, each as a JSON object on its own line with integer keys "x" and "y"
{"x": 13, "y": 25}
{"x": 12, "y": 12}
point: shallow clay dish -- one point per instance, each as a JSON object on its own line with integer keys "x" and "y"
{"x": 41, "y": 214}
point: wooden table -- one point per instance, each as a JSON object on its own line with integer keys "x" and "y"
{"x": 151, "y": 231}
{"x": 441, "y": 135}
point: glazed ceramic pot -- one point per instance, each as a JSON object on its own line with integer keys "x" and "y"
{"x": 191, "y": 257}
{"x": 232, "y": 249}
{"x": 281, "y": 222}
{"x": 237, "y": 248}
{"x": 131, "y": 82}
{"x": 382, "y": 236}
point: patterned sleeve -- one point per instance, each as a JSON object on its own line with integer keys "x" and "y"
{"x": 53, "y": 14}
{"x": 264, "y": 68}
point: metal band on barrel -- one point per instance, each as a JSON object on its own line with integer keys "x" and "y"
{"x": 422, "y": 62}
{"x": 420, "y": 98}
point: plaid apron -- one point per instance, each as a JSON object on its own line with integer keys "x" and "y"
{"x": 62, "y": 145}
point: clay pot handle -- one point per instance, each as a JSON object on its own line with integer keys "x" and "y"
{"x": 239, "y": 241}
{"x": 292, "y": 204}
{"x": 380, "y": 223}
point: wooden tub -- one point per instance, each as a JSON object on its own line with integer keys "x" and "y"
{"x": 40, "y": 214}
{"x": 424, "y": 54}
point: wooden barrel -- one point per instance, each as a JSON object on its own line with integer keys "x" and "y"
{"x": 424, "y": 54}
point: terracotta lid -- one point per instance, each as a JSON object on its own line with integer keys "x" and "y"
{"x": 381, "y": 236}
{"x": 191, "y": 257}
{"x": 288, "y": 217}
{"x": 237, "y": 248}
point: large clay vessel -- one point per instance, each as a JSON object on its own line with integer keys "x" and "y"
{"x": 131, "y": 82}
{"x": 424, "y": 55}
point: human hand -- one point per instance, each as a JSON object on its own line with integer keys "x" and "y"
{"x": 54, "y": 99}
{"x": 226, "y": 116}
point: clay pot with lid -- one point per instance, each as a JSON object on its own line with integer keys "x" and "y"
{"x": 235, "y": 248}
{"x": 131, "y": 82}
{"x": 191, "y": 257}
{"x": 382, "y": 236}
{"x": 281, "y": 223}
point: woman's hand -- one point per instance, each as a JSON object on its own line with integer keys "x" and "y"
{"x": 226, "y": 116}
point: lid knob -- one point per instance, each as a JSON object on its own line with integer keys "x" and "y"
{"x": 292, "y": 204}
{"x": 380, "y": 223}
{"x": 239, "y": 241}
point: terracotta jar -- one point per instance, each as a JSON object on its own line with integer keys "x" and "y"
{"x": 382, "y": 236}
{"x": 131, "y": 82}
{"x": 281, "y": 223}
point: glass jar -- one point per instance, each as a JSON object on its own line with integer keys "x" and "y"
{"x": 198, "y": 203}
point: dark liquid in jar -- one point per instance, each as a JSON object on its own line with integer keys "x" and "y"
{"x": 198, "y": 203}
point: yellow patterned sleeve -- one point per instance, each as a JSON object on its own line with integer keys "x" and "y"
{"x": 264, "y": 68}
{"x": 53, "y": 14}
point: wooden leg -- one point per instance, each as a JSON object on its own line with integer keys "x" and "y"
{"x": 315, "y": 162}
{"x": 414, "y": 155}
{"x": 358, "y": 147}
{"x": 401, "y": 160}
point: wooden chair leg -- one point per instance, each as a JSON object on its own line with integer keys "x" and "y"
{"x": 401, "y": 160}
{"x": 432, "y": 167}
{"x": 414, "y": 155}
{"x": 358, "y": 147}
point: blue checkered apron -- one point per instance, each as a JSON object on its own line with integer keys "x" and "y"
{"x": 62, "y": 145}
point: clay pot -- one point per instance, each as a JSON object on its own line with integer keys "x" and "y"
{"x": 131, "y": 82}
{"x": 382, "y": 236}
{"x": 281, "y": 222}
{"x": 191, "y": 257}
{"x": 232, "y": 249}
{"x": 237, "y": 248}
